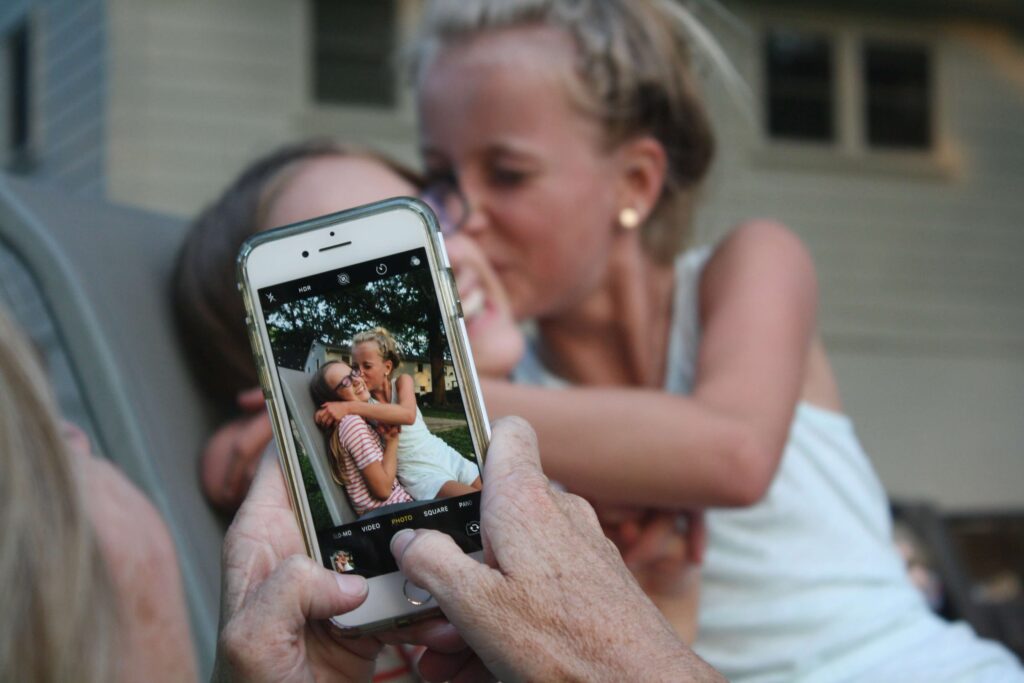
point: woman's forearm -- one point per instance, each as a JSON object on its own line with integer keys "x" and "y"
{"x": 721, "y": 444}
{"x": 390, "y": 461}
{"x": 383, "y": 412}
{"x": 641, "y": 446}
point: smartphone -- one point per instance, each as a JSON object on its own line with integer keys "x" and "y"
{"x": 310, "y": 290}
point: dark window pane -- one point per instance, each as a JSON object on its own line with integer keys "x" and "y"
{"x": 800, "y": 75}
{"x": 897, "y": 85}
{"x": 17, "y": 52}
{"x": 353, "y": 42}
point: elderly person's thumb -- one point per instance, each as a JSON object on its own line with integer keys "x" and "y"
{"x": 433, "y": 561}
{"x": 300, "y": 590}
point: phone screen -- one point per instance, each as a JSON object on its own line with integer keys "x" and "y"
{"x": 314, "y": 324}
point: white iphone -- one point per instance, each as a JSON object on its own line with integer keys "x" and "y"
{"x": 327, "y": 301}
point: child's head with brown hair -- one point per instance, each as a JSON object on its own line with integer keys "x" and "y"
{"x": 321, "y": 390}
{"x": 377, "y": 355}
{"x": 337, "y": 381}
{"x": 290, "y": 184}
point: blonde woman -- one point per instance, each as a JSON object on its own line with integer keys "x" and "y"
{"x": 664, "y": 378}
{"x": 89, "y": 583}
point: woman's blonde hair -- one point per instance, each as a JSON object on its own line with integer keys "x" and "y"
{"x": 632, "y": 73}
{"x": 55, "y": 594}
{"x": 386, "y": 344}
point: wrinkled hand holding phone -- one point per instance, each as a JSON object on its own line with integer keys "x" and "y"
{"x": 554, "y": 600}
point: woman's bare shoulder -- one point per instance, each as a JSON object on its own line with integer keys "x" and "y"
{"x": 120, "y": 512}
{"x": 761, "y": 236}
{"x": 759, "y": 251}
{"x": 139, "y": 554}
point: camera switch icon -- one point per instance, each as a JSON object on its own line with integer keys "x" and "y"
{"x": 473, "y": 529}
{"x": 382, "y": 268}
{"x": 344, "y": 279}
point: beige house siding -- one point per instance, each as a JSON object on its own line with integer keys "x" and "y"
{"x": 920, "y": 267}
{"x": 423, "y": 379}
{"x": 198, "y": 89}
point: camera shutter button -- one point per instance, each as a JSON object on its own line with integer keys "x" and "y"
{"x": 416, "y": 595}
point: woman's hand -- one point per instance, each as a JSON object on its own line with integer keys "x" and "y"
{"x": 664, "y": 550}
{"x": 330, "y": 414}
{"x": 388, "y": 432}
{"x": 648, "y": 536}
{"x": 232, "y": 454}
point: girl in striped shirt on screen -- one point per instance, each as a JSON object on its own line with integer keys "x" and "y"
{"x": 364, "y": 460}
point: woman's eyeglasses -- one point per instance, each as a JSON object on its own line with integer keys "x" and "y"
{"x": 347, "y": 380}
{"x": 445, "y": 198}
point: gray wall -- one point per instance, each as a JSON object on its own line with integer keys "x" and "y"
{"x": 67, "y": 109}
{"x": 68, "y": 85}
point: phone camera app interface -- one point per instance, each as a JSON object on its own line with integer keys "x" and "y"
{"x": 375, "y": 409}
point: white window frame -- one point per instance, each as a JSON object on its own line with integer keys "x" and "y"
{"x": 849, "y": 150}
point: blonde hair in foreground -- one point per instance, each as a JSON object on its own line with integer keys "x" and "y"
{"x": 633, "y": 73}
{"x": 55, "y": 595}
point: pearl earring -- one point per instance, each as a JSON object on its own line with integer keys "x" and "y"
{"x": 629, "y": 218}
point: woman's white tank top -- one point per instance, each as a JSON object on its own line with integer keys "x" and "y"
{"x": 806, "y": 584}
